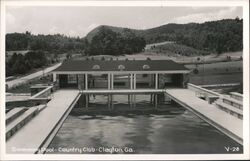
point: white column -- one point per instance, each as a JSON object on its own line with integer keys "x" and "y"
{"x": 131, "y": 81}
{"x": 54, "y": 77}
{"x": 112, "y": 81}
{"x": 86, "y": 81}
{"x": 134, "y": 81}
{"x": 108, "y": 80}
{"x": 156, "y": 81}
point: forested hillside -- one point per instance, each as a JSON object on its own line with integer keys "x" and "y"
{"x": 27, "y": 41}
{"x": 21, "y": 64}
{"x": 215, "y": 36}
{"x": 108, "y": 42}
{"x": 190, "y": 39}
{"x": 42, "y": 50}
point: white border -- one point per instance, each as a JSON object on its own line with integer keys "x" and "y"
{"x": 243, "y": 3}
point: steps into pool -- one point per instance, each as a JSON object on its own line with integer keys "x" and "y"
{"x": 18, "y": 117}
{"x": 14, "y": 113}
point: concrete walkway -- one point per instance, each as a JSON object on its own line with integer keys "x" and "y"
{"x": 33, "y": 135}
{"x": 226, "y": 123}
{"x": 24, "y": 79}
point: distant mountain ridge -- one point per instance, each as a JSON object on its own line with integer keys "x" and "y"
{"x": 120, "y": 30}
{"x": 215, "y": 36}
{"x": 218, "y": 36}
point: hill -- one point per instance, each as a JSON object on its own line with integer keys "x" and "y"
{"x": 57, "y": 43}
{"x": 174, "y": 49}
{"x": 120, "y": 30}
{"x": 113, "y": 41}
{"x": 215, "y": 36}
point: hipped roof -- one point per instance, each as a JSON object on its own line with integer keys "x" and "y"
{"x": 113, "y": 65}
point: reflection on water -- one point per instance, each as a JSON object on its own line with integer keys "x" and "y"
{"x": 173, "y": 132}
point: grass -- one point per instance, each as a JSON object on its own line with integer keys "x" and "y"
{"x": 218, "y": 67}
{"x": 213, "y": 73}
{"x": 217, "y": 73}
{"x": 176, "y": 49}
{"x": 25, "y": 88}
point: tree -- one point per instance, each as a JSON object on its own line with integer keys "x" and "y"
{"x": 68, "y": 56}
{"x": 21, "y": 64}
{"x": 108, "y": 42}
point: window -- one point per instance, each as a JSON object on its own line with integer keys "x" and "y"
{"x": 72, "y": 79}
{"x": 119, "y": 84}
{"x": 146, "y": 66}
{"x": 121, "y": 67}
{"x": 96, "y": 67}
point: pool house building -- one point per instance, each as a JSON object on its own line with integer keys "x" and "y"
{"x": 120, "y": 74}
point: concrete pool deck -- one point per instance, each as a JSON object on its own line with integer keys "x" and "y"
{"x": 33, "y": 135}
{"x": 45, "y": 125}
{"x": 228, "y": 124}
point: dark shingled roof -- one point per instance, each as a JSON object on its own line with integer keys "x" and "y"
{"x": 112, "y": 65}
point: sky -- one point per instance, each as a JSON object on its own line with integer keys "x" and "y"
{"x": 78, "y": 21}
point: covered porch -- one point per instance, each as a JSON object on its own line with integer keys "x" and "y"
{"x": 115, "y": 80}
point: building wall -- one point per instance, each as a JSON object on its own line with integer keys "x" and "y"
{"x": 123, "y": 81}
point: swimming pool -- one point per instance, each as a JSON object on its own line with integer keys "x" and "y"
{"x": 170, "y": 130}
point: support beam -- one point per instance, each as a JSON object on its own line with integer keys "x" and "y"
{"x": 134, "y": 100}
{"x": 109, "y": 81}
{"x": 156, "y": 81}
{"x": 86, "y": 81}
{"x": 134, "y": 81}
{"x": 78, "y": 82}
{"x": 112, "y": 81}
{"x": 54, "y": 77}
{"x": 156, "y": 100}
{"x": 111, "y": 101}
{"x": 86, "y": 101}
{"x": 151, "y": 98}
{"x": 129, "y": 100}
{"x": 131, "y": 81}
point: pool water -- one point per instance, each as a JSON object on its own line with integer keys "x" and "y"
{"x": 174, "y": 131}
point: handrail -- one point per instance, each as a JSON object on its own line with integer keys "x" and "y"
{"x": 36, "y": 96}
{"x": 203, "y": 89}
